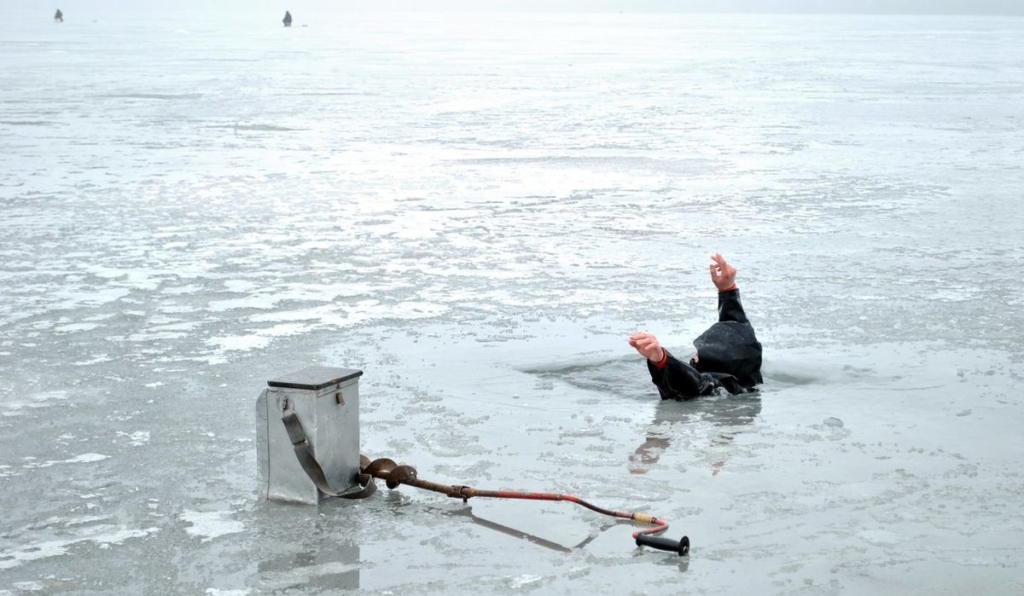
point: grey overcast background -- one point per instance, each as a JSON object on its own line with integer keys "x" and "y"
{"x": 1010, "y": 7}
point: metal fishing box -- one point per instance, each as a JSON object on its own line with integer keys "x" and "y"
{"x": 325, "y": 402}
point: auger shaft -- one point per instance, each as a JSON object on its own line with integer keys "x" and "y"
{"x": 395, "y": 475}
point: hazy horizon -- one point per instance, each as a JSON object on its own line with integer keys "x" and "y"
{"x": 980, "y": 7}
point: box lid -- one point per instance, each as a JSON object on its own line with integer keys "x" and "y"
{"x": 315, "y": 377}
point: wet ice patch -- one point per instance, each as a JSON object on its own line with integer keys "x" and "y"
{"x": 208, "y": 525}
{"x": 240, "y": 286}
{"x": 99, "y": 359}
{"x": 75, "y": 327}
{"x": 879, "y": 537}
{"x": 524, "y": 581}
{"x": 259, "y": 302}
{"x": 308, "y": 314}
{"x": 586, "y": 431}
{"x": 239, "y": 343}
{"x": 150, "y": 337}
{"x": 99, "y": 535}
{"x": 137, "y": 438}
{"x": 285, "y": 330}
{"x": 956, "y": 293}
{"x": 32, "y": 401}
{"x": 181, "y": 290}
{"x": 409, "y": 310}
{"x": 165, "y": 323}
{"x": 452, "y": 446}
{"x": 93, "y": 297}
{"x": 85, "y": 458}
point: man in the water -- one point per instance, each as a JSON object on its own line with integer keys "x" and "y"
{"x": 728, "y": 353}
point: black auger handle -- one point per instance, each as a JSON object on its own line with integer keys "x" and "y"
{"x": 682, "y": 547}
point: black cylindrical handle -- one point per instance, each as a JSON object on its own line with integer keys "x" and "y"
{"x": 682, "y": 547}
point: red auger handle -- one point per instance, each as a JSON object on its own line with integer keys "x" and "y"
{"x": 682, "y": 547}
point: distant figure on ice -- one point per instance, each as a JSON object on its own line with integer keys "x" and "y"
{"x": 287, "y": 20}
{"x": 728, "y": 353}
{"x": 59, "y": 17}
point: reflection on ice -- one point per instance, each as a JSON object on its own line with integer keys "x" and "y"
{"x": 672, "y": 417}
{"x": 316, "y": 550}
{"x": 539, "y": 541}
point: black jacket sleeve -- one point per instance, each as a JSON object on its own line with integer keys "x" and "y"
{"x": 730, "y": 308}
{"x": 679, "y": 380}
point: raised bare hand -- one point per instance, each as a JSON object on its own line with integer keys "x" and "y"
{"x": 647, "y": 345}
{"x": 723, "y": 275}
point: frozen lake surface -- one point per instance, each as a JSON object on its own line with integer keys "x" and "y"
{"x": 476, "y": 211}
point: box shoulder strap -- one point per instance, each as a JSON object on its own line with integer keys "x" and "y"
{"x": 314, "y": 470}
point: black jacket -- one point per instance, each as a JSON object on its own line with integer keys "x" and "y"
{"x": 728, "y": 356}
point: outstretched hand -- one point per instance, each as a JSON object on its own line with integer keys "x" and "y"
{"x": 723, "y": 275}
{"x": 647, "y": 345}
